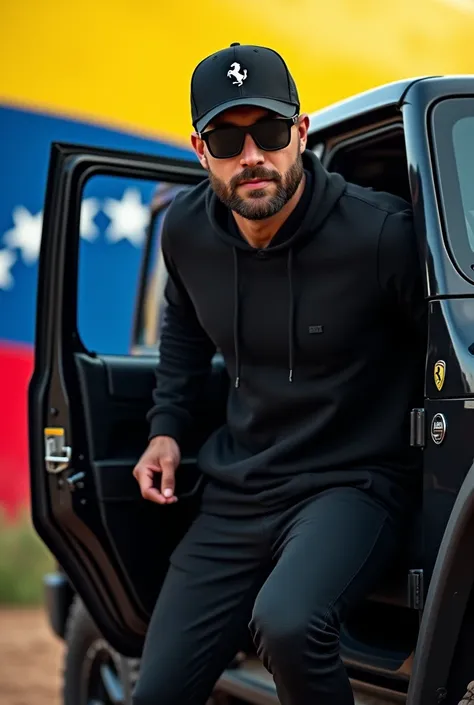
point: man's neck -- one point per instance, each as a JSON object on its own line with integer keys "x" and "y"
{"x": 259, "y": 233}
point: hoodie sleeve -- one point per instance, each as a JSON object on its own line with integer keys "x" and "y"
{"x": 186, "y": 353}
{"x": 400, "y": 272}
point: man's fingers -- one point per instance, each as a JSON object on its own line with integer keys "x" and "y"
{"x": 154, "y": 495}
{"x": 167, "y": 477}
{"x": 144, "y": 475}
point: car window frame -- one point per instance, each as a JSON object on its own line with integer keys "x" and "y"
{"x": 141, "y": 330}
{"x": 444, "y": 115}
{"x": 369, "y": 134}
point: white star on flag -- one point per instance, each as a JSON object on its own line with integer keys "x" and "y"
{"x": 7, "y": 260}
{"x": 89, "y": 209}
{"x": 129, "y": 217}
{"x": 26, "y": 235}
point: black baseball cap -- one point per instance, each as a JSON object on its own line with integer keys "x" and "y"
{"x": 241, "y": 75}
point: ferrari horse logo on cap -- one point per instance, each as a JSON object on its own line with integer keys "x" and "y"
{"x": 234, "y": 72}
{"x": 439, "y": 374}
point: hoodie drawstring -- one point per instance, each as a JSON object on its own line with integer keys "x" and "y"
{"x": 236, "y": 318}
{"x": 291, "y": 309}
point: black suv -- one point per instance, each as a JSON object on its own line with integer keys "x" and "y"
{"x": 409, "y": 642}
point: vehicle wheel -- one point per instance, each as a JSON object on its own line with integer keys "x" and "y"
{"x": 94, "y": 674}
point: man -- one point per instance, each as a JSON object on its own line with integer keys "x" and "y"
{"x": 311, "y": 289}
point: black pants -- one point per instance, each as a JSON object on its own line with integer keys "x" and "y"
{"x": 290, "y": 577}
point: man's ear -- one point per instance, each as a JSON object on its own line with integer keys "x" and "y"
{"x": 199, "y": 148}
{"x": 303, "y": 126}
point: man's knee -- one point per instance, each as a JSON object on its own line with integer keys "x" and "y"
{"x": 274, "y": 629}
{"x": 287, "y": 636}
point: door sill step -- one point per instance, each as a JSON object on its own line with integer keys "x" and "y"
{"x": 252, "y": 683}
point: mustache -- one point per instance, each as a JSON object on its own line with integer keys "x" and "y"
{"x": 257, "y": 172}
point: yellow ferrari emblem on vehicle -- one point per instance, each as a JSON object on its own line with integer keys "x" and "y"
{"x": 439, "y": 374}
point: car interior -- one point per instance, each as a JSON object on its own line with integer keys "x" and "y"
{"x": 377, "y": 161}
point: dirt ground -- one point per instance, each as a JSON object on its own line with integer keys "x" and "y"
{"x": 30, "y": 659}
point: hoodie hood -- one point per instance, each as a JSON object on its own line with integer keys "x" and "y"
{"x": 321, "y": 193}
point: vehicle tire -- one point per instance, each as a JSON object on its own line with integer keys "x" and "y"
{"x": 93, "y": 672}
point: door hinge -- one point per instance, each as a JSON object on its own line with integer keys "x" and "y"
{"x": 417, "y": 428}
{"x": 416, "y": 594}
{"x": 57, "y": 454}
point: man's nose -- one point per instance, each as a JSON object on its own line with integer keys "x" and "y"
{"x": 251, "y": 154}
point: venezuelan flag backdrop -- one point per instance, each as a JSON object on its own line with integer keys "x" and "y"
{"x": 117, "y": 74}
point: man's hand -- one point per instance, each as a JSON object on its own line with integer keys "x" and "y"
{"x": 162, "y": 456}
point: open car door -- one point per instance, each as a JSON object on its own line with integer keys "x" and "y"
{"x": 87, "y": 410}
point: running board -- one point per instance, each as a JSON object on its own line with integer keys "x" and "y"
{"x": 251, "y": 683}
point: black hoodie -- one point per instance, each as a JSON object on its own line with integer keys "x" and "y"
{"x": 323, "y": 336}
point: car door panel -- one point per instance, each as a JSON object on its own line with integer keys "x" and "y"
{"x": 113, "y": 545}
{"x": 141, "y": 534}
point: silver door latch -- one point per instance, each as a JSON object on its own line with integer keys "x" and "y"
{"x": 57, "y": 453}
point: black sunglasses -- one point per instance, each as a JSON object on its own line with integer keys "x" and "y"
{"x": 270, "y": 135}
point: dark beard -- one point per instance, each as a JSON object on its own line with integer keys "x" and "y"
{"x": 256, "y": 206}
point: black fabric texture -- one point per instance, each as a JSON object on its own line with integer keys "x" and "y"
{"x": 323, "y": 335}
{"x": 277, "y": 576}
